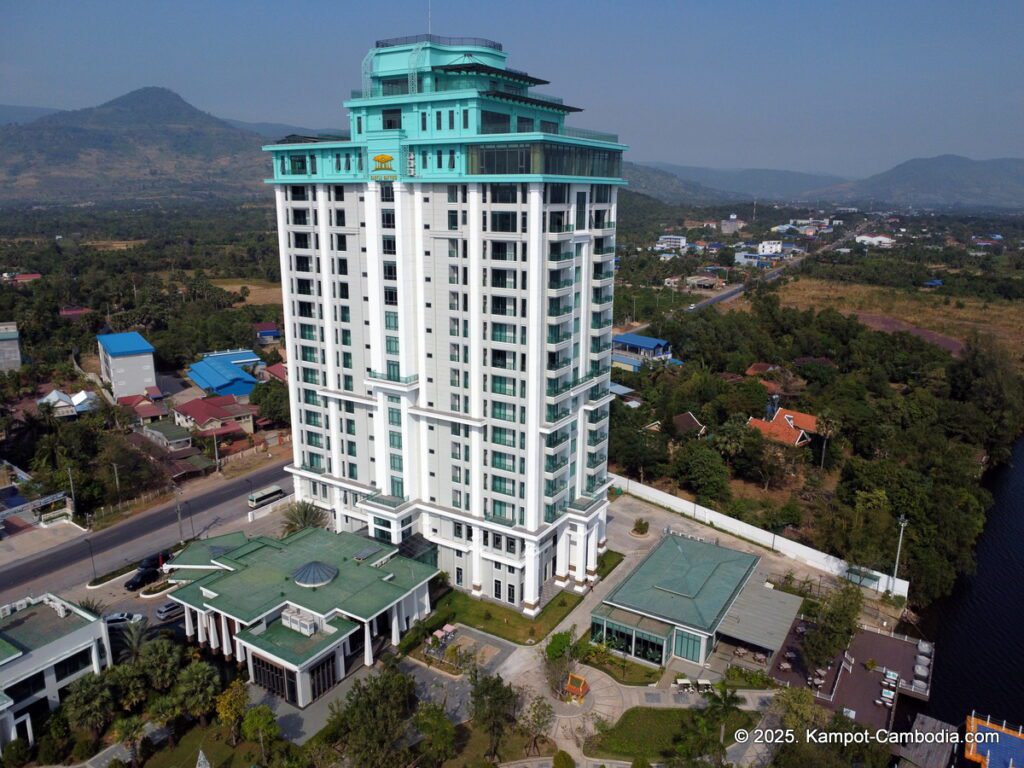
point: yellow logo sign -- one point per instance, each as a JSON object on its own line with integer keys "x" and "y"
{"x": 383, "y": 163}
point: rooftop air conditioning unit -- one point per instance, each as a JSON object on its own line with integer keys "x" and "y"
{"x": 5, "y": 611}
{"x": 21, "y": 605}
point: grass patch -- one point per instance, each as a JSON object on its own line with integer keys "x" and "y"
{"x": 653, "y": 733}
{"x": 213, "y": 740}
{"x": 472, "y": 744}
{"x": 607, "y": 562}
{"x": 620, "y": 669}
{"x": 505, "y": 622}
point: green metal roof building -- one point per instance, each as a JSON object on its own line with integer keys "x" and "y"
{"x": 297, "y": 610}
{"x": 686, "y": 594}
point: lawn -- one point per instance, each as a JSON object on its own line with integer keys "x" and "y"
{"x": 607, "y": 563}
{"x": 214, "y": 743}
{"x": 472, "y": 744}
{"x": 621, "y": 669}
{"x": 653, "y": 733}
{"x": 260, "y": 291}
{"x": 505, "y": 622}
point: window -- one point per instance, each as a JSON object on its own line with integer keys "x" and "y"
{"x": 503, "y": 221}
{"x": 390, "y": 270}
{"x": 457, "y": 530}
{"x": 465, "y": 119}
{"x": 392, "y": 119}
{"x": 497, "y": 589}
{"x": 395, "y": 461}
{"x": 300, "y": 239}
{"x": 459, "y": 576}
{"x": 453, "y": 220}
{"x": 387, "y": 218}
{"x": 438, "y": 120}
{"x": 391, "y": 321}
{"x": 359, "y": 124}
{"x": 391, "y": 297}
{"x": 394, "y": 439}
{"x": 423, "y": 121}
{"x": 387, "y": 192}
{"x": 395, "y": 417}
{"x": 451, "y": 158}
{"x": 388, "y": 245}
{"x": 391, "y": 345}
{"x": 451, "y": 119}
{"x": 494, "y": 122}
{"x": 511, "y": 592}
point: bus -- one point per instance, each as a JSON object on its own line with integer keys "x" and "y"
{"x": 265, "y": 496}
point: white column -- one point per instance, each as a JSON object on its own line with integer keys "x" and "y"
{"x": 476, "y": 544}
{"x": 190, "y": 629}
{"x": 425, "y": 598}
{"x": 201, "y": 624}
{"x": 368, "y": 646}
{"x": 289, "y": 329}
{"x": 396, "y": 629}
{"x": 248, "y": 663}
{"x": 580, "y": 559}
{"x": 339, "y": 661}
{"x": 602, "y": 530}
{"x": 9, "y": 727}
{"x": 536, "y": 357}
{"x": 304, "y": 693}
{"x": 562, "y": 555}
{"x": 96, "y": 657}
{"x": 592, "y": 554}
{"x": 531, "y": 580}
{"x": 225, "y": 645}
{"x": 211, "y": 626}
{"x": 239, "y": 648}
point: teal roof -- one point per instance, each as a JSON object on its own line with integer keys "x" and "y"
{"x": 295, "y": 647}
{"x": 686, "y": 582}
{"x": 262, "y": 576}
{"x": 201, "y": 552}
{"x": 34, "y": 627}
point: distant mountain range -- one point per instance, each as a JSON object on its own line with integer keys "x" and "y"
{"x": 151, "y": 144}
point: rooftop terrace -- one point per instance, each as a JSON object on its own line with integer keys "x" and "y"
{"x": 34, "y": 627}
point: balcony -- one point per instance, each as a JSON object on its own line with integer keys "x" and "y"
{"x": 597, "y": 346}
{"x": 503, "y": 389}
{"x": 606, "y": 250}
{"x": 595, "y": 417}
{"x": 556, "y": 439}
{"x": 601, "y": 323}
{"x": 382, "y": 499}
{"x": 558, "y": 387}
{"x": 559, "y": 363}
{"x": 556, "y": 336}
{"x": 563, "y": 256}
{"x": 596, "y": 460}
{"x": 602, "y": 297}
{"x": 596, "y": 438}
{"x": 585, "y": 503}
{"x": 505, "y": 311}
{"x": 394, "y": 378}
{"x": 593, "y": 484}
{"x": 555, "y": 463}
{"x": 597, "y": 393}
{"x": 603, "y": 274}
{"x": 559, "y": 310}
{"x": 505, "y": 466}
{"x": 555, "y": 285}
{"x": 554, "y": 511}
{"x": 314, "y": 468}
{"x": 561, "y": 229}
{"x": 500, "y": 520}
{"x": 554, "y": 414}
{"x": 555, "y": 487}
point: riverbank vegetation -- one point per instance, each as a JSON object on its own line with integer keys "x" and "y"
{"x": 903, "y": 429}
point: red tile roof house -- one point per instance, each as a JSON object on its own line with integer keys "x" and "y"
{"x": 787, "y": 427}
{"x": 277, "y": 371}
{"x": 760, "y": 369}
{"x": 686, "y": 423}
{"x": 145, "y": 409}
{"x": 217, "y": 416}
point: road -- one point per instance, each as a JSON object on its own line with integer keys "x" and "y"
{"x": 71, "y": 563}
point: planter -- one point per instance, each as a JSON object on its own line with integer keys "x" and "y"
{"x": 165, "y": 587}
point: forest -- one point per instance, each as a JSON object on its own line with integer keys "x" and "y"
{"x": 907, "y": 430}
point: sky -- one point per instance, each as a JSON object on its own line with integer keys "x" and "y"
{"x": 843, "y": 87}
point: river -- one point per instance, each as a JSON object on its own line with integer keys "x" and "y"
{"x": 979, "y": 629}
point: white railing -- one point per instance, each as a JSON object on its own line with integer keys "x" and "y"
{"x": 791, "y": 549}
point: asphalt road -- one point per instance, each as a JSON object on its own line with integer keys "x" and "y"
{"x": 71, "y": 563}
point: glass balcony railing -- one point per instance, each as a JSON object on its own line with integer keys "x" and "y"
{"x": 596, "y": 347}
{"x": 556, "y": 439}
{"x": 602, "y": 297}
{"x": 596, "y": 460}
{"x": 596, "y": 482}
{"x": 558, "y": 387}
{"x": 559, "y": 363}
{"x": 559, "y": 310}
{"x": 555, "y": 463}
{"x": 554, "y": 511}
{"x": 317, "y": 468}
{"x": 604, "y": 274}
{"x": 556, "y": 336}
{"x": 563, "y": 256}
{"x": 596, "y": 393}
{"x": 382, "y": 499}
{"x": 553, "y": 413}
{"x": 498, "y": 388}
{"x": 507, "y": 338}
{"x": 605, "y": 250}
{"x": 600, "y": 323}
{"x": 554, "y": 285}
{"x": 559, "y": 229}
{"x": 507, "y": 466}
{"x": 555, "y": 487}
{"x": 500, "y": 519}
{"x": 393, "y": 377}
{"x": 596, "y": 417}
{"x": 596, "y": 438}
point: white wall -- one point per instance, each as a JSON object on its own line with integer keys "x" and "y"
{"x": 784, "y": 546}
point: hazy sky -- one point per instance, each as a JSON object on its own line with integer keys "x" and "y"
{"x": 846, "y": 87}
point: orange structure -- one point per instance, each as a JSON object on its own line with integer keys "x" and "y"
{"x": 577, "y": 687}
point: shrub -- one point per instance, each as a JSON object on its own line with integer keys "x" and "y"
{"x": 563, "y": 760}
{"x": 641, "y": 526}
{"x": 17, "y": 753}
{"x": 640, "y": 762}
{"x": 51, "y": 750}
{"x": 84, "y": 748}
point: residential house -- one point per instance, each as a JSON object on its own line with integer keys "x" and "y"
{"x": 145, "y": 410}
{"x": 278, "y": 371}
{"x": 769, "y": 248}
{"x": 732, "y": 225}
{"x": 266, "y": 333}
{"x": 224, "y": 373}
{"x": 760, "y": 369}
{"x": 68, "y": 406}
{"x": 703, "y": 282}
{"x": 786, "y": 427}
{"x": 168, "y": 435}
{"x": 217, "y": 416}
{"x": 876, "y": 241}
{"x": 687, "y": 424}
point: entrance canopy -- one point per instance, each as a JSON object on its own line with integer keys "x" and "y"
{"x": 760, "y": 616}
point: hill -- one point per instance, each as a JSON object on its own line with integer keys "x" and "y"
{"x": 147, "y": 144}
{"x": 280, "y": 130}
{"x": 946, "y": 181}
{"x": 669, "y": 188}
{"x": 759, "y": 183}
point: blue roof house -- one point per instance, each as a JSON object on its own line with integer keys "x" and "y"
{"x": 223, "y": 373}
{"x": 631, "y": 351}
{"x": 126, "y": 363}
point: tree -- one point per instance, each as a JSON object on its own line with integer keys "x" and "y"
{"x": 835, "y": 625}
{"x": 828, "y": 428}
{"x": 231, "y": 706}
{"x": 536, "y": 721}
{"x": 129, "y": 731}
{"x": 301, "y": 515}
{"x": 370, "y": 724}
{"x": 491, "y": 705}
{"x": 798, "y": 709}
{"x": 164, "y": 712}
{"x": 131, "y": 688}
{"x": 94, "y": 606}
{"x": 161, "y": 659}
{"x": 197, "y": 690}
{"x": 135, "y": 638}
{"x": 563, "y": 759}
{"x": 260, "y": 724}
{"x": 558, "y": 661}
{"x": 272, "y": 399}
{"x": 438, "y": 732}
{"x": 700, "y": 468}
{"x": 16, "y": 753}
{"x": 721, "y": 702}
{"x": 89, "y": 704}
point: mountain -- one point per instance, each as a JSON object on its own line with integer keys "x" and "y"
{"x": 13, "y": 114}
{"x": 280, "y": 130}
{"x": 759, "y": 183}
{"x": 147, "y": 144}
{"x": 669, "y": 188}
{"x": 946, "y": 181}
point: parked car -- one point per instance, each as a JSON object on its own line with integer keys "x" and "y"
{"x": 691, "y": 308}
{"x": 122, "y": 618}
{"x": 142, "y": 578}
{"x": 169, "y": 610}
{"x": 155, "y": 561}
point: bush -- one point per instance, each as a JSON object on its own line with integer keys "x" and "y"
{"x": 51, "y": 750}
{"x": 640, "y": 762}
{"x": 641, "y": 526}
{"x": 563, "y": 760}
{"x": 84, "y": 748}
{"x": 17, "y": 753}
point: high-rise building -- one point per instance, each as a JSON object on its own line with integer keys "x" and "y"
{"x": 447, "y": 273}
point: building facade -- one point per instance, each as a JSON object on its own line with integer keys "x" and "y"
{"x": 447, "y": 276}
{"x": 46, "y": 643}
{"x": 126, "y": 363}
{"x": 10, "y": 347}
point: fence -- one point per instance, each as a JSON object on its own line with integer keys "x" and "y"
{"x": 879, "y": 582}
{"x": 284, "y": 501}
{"x": 116, "y": 509}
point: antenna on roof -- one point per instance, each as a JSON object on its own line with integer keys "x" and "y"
{"x": 428, "y": 16}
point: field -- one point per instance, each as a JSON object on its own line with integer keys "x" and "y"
{"x": 878, "y": 307}
{"x": 113, "y": 245}
{"x": 260, "y": 291}
{"x": 652, "y": 733}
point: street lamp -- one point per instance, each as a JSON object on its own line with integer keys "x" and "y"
{"x": 92, "y": 558}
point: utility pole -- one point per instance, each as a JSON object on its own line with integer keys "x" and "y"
{"x": 899, "y": 545}
{"x": 71, "y": 480}
{"x": 117, "y": 481}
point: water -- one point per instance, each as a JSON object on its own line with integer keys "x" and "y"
{"x": 979, "y": 629}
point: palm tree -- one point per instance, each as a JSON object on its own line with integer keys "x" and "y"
{"x": 828, "y": 428}
{"x": 135, "y": 639}
{"x": 197, "y": 690}
{"x": 161, "y": 659}
{"x": 721, "y": 702}
{"x": 93, "y": 606}
{"x": 129, "y": 731}
{"x": 300, "y": 515}
{"x": 163, "y": 712}
{"x": 89, "y": 703}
